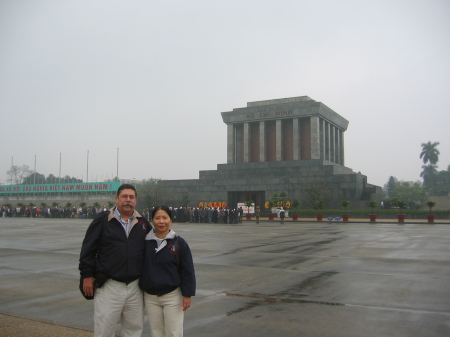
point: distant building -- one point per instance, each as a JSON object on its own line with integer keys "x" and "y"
{"x": 280, "y": 145}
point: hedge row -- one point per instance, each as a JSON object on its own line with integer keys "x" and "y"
{"x": 413, "y": 213}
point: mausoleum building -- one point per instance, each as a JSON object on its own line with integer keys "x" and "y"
{"x": 297, "y": 128}
{"x": 282, "y": 145}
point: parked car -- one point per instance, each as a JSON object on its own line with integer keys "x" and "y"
{"x": 276, "y": 210}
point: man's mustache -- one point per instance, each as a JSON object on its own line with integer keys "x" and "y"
{"x": 127, "y": 204}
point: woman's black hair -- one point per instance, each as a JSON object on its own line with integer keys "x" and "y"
{"x": 162, "y": 208}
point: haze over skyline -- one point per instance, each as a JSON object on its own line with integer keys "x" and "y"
{"x": 151, "y": 79}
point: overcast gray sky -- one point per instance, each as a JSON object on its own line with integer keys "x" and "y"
{"x": 151, "y": 78}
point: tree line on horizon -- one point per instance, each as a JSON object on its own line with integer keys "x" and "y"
{"x": 413, "y": 193}
{"x": 23, "y": 175}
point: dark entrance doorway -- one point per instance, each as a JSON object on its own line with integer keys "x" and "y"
{"x": 234, "y": 197}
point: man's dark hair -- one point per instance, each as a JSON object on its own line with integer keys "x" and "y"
{"x": 126, "y": 187}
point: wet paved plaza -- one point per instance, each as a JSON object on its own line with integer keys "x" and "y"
{"x": 267, "y": 279}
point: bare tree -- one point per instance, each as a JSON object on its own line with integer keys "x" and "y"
{"x": 152, "y": 193}
{"x": 17, "y": 174}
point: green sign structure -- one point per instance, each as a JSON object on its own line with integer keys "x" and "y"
{"x": 109, "y": 186}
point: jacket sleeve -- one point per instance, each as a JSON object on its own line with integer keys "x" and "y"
{"x": 89, "y": 249}
{"x": 188, "y": 281}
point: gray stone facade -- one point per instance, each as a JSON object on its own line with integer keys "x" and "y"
{"x": 281, "y": 145}
{"x": 284, "y": 129}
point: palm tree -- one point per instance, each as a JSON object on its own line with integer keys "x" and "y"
{"x": 429, "y": 174}
{"x": 430, "y": 153}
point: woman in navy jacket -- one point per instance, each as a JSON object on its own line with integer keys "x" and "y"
{"x": 168, "y": 279}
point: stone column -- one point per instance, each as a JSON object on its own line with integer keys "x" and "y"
{"x": 246, "y": 141}
{"x": 231, "y": 146}
{"x": 342, "y": 149}
{"x": 278, "y": 143}
{"x": 322, "y": 136}
{"x": 262, "y": 141}
{"x": 295, "y": 139}
{"x": 327, "y": 141}
{"x": 315, "y": 138}
{"x": 332, "y": 143}
{"x": 338, "y": 145}
{"x": 239, "y": 142}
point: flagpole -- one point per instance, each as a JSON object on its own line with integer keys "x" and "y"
{"x": 87, "y": 169}
{"x": 117, "y": 176}
{"x": 60, "y": 168}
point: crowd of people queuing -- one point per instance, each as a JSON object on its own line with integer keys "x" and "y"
{"x": 180, "y": 214}
{"x": 50, "y": 212}
{"x": 204, "y": 214}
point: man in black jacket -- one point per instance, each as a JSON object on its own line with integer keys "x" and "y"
{"x": 111, "y": 263}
